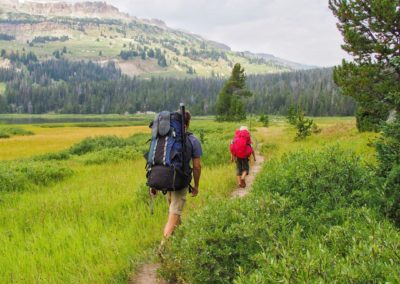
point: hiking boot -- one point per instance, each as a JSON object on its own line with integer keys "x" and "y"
{"x": 242, "y": 183}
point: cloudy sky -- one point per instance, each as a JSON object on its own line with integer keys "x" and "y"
{"x": 303, "y": 31}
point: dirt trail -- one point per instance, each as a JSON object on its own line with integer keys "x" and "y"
{"x": 147, "y": 274}
{"x": 254, "y": 169}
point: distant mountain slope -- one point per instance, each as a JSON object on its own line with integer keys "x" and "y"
{"x": 100, "y": 32}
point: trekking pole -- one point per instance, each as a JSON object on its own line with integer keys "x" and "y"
{"x": 183, "y": 112}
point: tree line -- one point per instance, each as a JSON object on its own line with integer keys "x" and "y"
{"x": 86, "y": 87}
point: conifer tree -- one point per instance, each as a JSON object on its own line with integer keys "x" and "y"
{"x": 230, "y": 105}
{"x": 371, "y": 31}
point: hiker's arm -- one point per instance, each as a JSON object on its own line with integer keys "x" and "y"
{"x": 254, "y": 154}
{"x": 196, "y": 175}
{"x": 232, "y": 158}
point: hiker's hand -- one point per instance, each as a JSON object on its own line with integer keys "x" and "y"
{"x": 232, "y": 159}
{"x": 195, "y": 191}
{"x": 153, "y": 191}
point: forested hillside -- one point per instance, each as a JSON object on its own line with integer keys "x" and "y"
{"x": 100, "y": 32}
{"x": 84, "y": 87}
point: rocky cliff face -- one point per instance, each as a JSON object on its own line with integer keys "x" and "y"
{"x": 65, "y": 9}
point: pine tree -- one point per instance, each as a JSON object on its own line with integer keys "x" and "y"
{"x": 371, "y": 34}
{"x": 230, "y": 105}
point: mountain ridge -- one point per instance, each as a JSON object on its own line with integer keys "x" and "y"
{"x": 99, "y": 32}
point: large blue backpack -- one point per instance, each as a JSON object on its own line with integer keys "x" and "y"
{"x": 168, "y": 161}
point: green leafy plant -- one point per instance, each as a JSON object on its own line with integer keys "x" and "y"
{"x": 264, "y": 119}
{"x": 303, "y": 126}
{"x": 292, "y": 115}
{"x": 306, "y": 211}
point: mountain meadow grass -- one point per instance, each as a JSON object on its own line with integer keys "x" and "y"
{"x": 74, "y": 205}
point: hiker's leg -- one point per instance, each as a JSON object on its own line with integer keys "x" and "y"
{"x": 177, "y": 201}
{"x": 244, "y": 174}
{"x": 238, "y": 179}
{"x": 239, "y": 171}
{"x": 174, "y": 220}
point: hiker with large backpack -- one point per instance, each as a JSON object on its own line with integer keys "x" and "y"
{"x": 241, "y": 149}
{"x": 172, "y": 150}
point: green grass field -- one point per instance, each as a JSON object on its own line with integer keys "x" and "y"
{"x": 94, "y": 226}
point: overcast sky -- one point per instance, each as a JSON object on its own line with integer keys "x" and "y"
{"x": 303, "y": 31}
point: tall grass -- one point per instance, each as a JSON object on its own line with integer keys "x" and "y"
{"x": 94, "y": 226}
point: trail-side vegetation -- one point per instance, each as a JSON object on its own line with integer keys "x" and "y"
{"x": 312, "y": 217}
{"x": 82, "y": 214}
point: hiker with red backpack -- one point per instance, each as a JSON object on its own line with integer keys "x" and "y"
{"x": 241, "y": 149}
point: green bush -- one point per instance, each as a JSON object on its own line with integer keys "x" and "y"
{"x": 361, "y": 250}
{"x": 370, "y": 118}
{"x": 111, "y": 155}
{"x": 303, "y": 126}
{"x": 22, "y": 175}
{"x": 321, "y": 181}
{"x": 265, "y": 120}
{"x": 3, "y": 134}
{"x": 95, "y": 144}
{"x": 11, "y": 180}
{"x": 388, "y": 149}
{"x": 43, "y": 173}
{"x": 307, "y": 220}
{"x": 108, "y": 142}
{"x": 17, "y": 131}
{"x": 63, "y": 155}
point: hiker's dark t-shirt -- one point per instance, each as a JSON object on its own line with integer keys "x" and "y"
{"x": 197, "y": 151}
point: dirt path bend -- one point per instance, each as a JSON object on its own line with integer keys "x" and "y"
{"x": 147, "y": 274}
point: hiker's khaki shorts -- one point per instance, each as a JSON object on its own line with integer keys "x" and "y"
{"x": 177, "y": 201}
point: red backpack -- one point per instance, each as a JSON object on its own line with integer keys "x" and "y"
{"x": 241, "y": 144}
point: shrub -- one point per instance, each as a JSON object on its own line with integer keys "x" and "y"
{"x": 22, "y": 175}
{"x": 17, "y": 131}
{"x": 292, "y": 115}
{"x": 111, "y": 155}
{"x": 6, "y": 132}
{"x": 303, "y": 126}
{"x": 3, "y": 134}
{"x": 63, "y": 155}
{"x": 315, "y": 129}
{"x": 265, "y": 120}
{"x": 43, "y": 173}
{"x": 305, "y": 221}
{"x": 388, "y": 149}
{"x": 96, "y": 144}
{"x": 321, "y": 180}
{"x": 11, "y": 180}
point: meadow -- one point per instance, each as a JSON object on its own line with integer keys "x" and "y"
{"x": 74, "y": 205}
